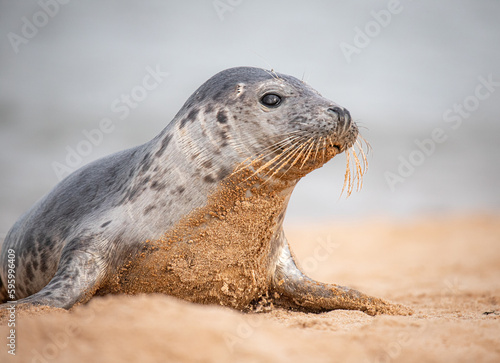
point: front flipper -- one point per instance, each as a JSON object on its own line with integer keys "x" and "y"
{"x": 75, "y": 281}
{"x": 295, "y": 290}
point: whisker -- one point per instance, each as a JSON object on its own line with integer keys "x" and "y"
{"x": 268, "y": 150}
{"x": 273, "y": 74}
{"x": 317, "y": 147}
{"x": 368, "y": 146}
{"x": 284, "y": 156}
{"x": 286, "y": 138}
{"x": 351, "y": 177}
{"x": 297, "y": 158}
{"x": 277, "y": 146}
{"x": 311, "y": 140}
{"x": 287, "y": 159}
{"x": 359, "y": 172}
{"x": 363, "y": 155}
{"x": 272, "y": 161}
{"x": 324, "y": 150}
{"x": 347, "y": 175}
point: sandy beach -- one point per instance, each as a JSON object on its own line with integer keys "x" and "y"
{"x": 446, "y": 268}
{"x": 421, "y": 79}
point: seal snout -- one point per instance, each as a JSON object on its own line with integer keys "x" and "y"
{"x": 341, "y": 116}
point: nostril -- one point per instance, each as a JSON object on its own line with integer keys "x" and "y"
{"x": 337, "y": 110}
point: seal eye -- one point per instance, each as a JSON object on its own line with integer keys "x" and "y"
{"x": 271, "y": 100}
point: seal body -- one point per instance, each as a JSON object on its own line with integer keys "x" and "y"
{"x": 197, "y": 212}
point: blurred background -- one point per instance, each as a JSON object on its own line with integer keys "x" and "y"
{"x": 408, "y": 72}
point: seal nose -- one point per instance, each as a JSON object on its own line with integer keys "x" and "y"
{"x": 342, "y": 115}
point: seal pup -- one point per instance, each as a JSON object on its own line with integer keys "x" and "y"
{"x": 198, "y": 211}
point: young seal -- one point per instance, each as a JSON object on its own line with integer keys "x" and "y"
{"x": 195, "y": 213}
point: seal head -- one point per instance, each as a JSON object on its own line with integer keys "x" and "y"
{"x": 262, "y": 113}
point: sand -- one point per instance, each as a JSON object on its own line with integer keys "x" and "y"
{"x": 446, "y": 268}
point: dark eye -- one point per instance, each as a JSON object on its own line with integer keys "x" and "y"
{"x": 271, "y": 100}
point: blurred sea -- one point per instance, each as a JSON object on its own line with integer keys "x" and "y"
{"x": 424, "y": 59}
